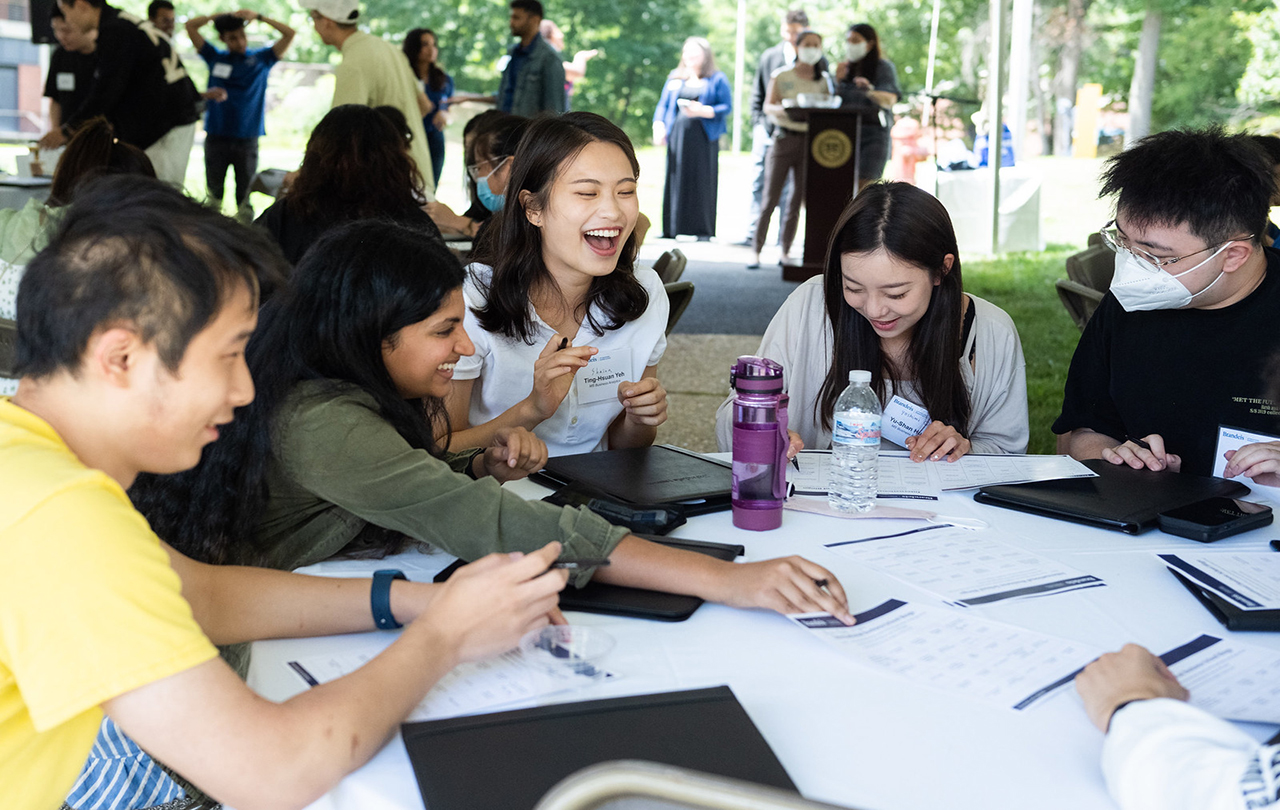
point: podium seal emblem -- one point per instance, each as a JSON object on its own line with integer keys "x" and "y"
{"x": 831, "y": 149}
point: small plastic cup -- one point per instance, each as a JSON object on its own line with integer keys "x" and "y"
{"x": 562, "y": 647}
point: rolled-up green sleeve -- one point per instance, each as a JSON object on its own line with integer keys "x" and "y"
{"x": 339, "y": 448}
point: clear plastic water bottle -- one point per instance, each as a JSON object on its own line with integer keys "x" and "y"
{"x": 855, "y": 446}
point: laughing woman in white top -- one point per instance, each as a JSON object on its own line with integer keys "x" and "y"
{"x": 568, "y": 333}
{"x": 891, "y": 302}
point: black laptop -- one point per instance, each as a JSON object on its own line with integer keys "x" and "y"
{"x": 509, "y": 760}
{"x": 661, "y": 474}
{"x": 1120, "y": 498}
{"x": 638, "y": 603}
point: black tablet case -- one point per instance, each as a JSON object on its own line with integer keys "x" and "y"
{"x": 646, "y": 475}
{"x": 1120, "y": 498}
{"x": 1232, "y": 617}
{"x": 509, "y": 760}
{"x": 619, "y": 600}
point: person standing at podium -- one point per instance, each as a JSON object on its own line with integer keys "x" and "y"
{"x": 787, "y": 155}
{"x": 866, "y": 78}
{"x": 690, "y": 120}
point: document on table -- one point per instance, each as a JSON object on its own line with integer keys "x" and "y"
{"x": 902, "y": 478}
{"x": 974, "y": 470}
{"x": 964, "y": 567}
{"x": 955, "y": 651}
{"x": 1228, "y": 679}
{"x": 1250, "y": 581}
{"x": 467, "y": 689}
{"x": 810, "y": 474}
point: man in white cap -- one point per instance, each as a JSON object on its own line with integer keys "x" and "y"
{"x": 374, "y": 73}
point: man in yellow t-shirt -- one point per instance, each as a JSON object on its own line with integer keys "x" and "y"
{"x": 132, "y": 325}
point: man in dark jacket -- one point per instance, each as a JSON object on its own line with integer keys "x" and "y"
{"x": 141, "y": 87}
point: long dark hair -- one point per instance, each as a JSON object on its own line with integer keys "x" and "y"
{"x": 869, "y": 64}
{"x": 359, "y": 285}
{"x": 913, "y": 227}
{"x": 93, "y": 152}
{"x": 516, "y": 252}
{"x": 436, "y": 78}
{"x": 355, "y": 167}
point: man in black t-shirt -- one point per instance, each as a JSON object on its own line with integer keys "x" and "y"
{"x": 71, "y": 69}
{"x": 1180, "y": 347}
{"x": 141, "y": 87}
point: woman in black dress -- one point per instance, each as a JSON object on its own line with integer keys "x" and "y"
{"x": 867, "y": 75}
{"x": 690, "y": 119}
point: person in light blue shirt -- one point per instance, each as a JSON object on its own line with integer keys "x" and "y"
{"x": 234, "y": 124}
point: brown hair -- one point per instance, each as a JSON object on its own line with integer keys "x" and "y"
{"x": 356, "y": 167}
{"x": 93, "y": 152}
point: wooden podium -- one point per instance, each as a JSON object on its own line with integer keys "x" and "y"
{"x": 833, "y": 147}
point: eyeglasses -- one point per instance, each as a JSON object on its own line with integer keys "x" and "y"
{"x": 1117, "y": 241}
{"x": 473, "y": 171}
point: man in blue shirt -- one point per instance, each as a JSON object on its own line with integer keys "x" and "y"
{"x": 232, "y": 127}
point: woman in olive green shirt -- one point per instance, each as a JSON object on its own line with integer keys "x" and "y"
{"x": 337, "y": 452}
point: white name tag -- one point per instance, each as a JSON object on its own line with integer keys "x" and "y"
{"x": 1233, "y": 439}
{"x": 902, "y": 419}
{"x": 604, "y": 372}
{"x": 222, "y": 70}
{"x": 66, "y": 82}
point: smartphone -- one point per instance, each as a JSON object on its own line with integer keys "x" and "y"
{"x": 1214, "y": 518}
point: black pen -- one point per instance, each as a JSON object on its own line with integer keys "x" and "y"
{"x": 1140, "y": 443}
{"x": 795, "y": 462}
{"x": 563, "y": 342}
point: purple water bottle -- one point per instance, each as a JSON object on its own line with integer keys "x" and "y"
{"x": 759, "y": 443}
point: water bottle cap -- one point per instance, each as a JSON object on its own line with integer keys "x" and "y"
{"x": 859, "y": 376}
{"x": 758, "y": 375}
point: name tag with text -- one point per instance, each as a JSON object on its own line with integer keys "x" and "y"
{"x": 901, "y": 419}
{"x": 1230, "y": 438}
{"x": 604, "y": 372}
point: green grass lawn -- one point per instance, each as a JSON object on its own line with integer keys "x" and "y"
{"x": 1022, "y": 285}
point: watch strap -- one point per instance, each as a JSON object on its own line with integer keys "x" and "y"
{"x": 380, "y": 598}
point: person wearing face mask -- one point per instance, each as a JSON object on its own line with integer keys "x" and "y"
{"x": 1176, "y": 350}
{"x": 491, "y": 172}
{"x": 787, "y": 155}
{"x": 865, "y": 75}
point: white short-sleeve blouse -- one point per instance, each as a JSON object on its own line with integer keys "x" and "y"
{"x": 502, "y": 367}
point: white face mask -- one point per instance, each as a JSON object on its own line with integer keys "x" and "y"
{"x": 1140, "y": 286}
{"x": 809, "y": 56}
{"x": 854, "y": 51}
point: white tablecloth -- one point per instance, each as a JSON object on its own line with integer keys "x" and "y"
{"x": 849, "y": 733}
{"x": 967, "y": 197}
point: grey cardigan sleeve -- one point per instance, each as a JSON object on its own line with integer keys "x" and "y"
{"x": 998, "y": 422}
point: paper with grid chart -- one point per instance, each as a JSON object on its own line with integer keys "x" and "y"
{"x": 467, "y": 689}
